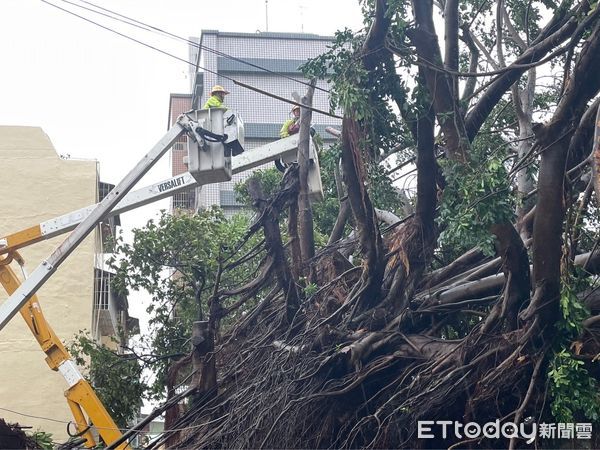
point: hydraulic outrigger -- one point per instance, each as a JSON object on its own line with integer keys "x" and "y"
{"x": 213, "y": 136}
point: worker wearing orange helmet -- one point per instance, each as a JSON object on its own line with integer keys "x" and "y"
{"x": 291, "y": 126}
{"x": 217, "y": 97}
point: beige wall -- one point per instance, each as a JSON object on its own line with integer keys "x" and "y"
{"x": 37, "y": 185}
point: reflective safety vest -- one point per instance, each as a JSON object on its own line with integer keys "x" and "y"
{"x": 213, "y": 102}
{"x": 285, "y": 128}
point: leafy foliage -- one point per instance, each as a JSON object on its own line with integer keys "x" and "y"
{"x": 117, "y": 379}
{"x": 572, "y": 309}
{"x": 475, "y": 198}
{"x": 366, "y": 94}
{"x": 269, "y": 179}
{"x": 176, "y": 261}
{"x": 348, "y": 79}
{"x": 574, "y": 391}
{"x": 42, "y": 439}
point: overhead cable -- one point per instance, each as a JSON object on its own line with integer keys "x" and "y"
{"x": 238, "y": 83}
{"x": 144, "y": 26}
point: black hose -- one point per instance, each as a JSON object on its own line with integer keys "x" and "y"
{"x": 281, "y": 166}
{"x": 210, "y": 136}
{"x": 78, "y": 434}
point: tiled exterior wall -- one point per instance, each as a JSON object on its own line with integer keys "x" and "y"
{"x": 255, "y": 107}
{"x": 267, "y": 45}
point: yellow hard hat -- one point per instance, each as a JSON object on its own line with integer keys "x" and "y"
{"x": 218, "y": 88}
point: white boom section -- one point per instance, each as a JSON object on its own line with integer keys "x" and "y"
{"x": 41, "y": 273}
{"x": 283, "y": 148}
{"x": 84, "y": 220}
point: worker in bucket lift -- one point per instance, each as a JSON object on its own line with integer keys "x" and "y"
{"x": 217, "y": 98}
{"x": 291, "y": 126}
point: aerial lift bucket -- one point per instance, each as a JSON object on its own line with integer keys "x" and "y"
{"x": 219, "y": 134}
{"x": 234, "y": 132}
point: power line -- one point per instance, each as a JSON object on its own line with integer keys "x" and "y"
{"x": 122, "y": 430}
{"x": 33, "y": 416}
{"x": 130, "y": 38}
{"x": 193, "y": 64}
{"x": 132, "y": 431}
{"x": 144, "y": 26}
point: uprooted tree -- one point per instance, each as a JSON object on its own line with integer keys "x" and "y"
{"x": 481, "y": 304}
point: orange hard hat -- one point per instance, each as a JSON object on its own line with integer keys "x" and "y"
{"x": 218, "y": 88}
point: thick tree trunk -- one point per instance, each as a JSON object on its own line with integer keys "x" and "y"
{"x": 515, "y": 264}
{"x": 445, "y": 104}
{"x": 274, "y": 245}
{"x": 554, "y": 139}
{"x": 294, "y": 240}
{"x": 305, "y": 217}
{"x": 203, "y": 360}
{"x": 364, "y": 214}
{"x": 596, "y": 157}
{"x": 525, "y": 182}
{"x": 412, "y": 244}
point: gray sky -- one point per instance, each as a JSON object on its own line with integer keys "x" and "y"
{"x": 100, "y": 96}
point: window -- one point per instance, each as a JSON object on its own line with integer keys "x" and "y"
{"x": 102, "y": 281}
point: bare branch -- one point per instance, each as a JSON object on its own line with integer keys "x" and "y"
{"x": 446, "y": 109}
{"x": 560, "y": 28}
{"x": 451, "y": 39}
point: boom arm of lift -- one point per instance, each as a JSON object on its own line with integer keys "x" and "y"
{"x": 284, "y": 148}
{"x": 209, "y": 161}
{"x": 80, "y": 395}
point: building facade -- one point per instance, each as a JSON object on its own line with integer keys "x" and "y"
{"x": 38, "y": 186}
{"x": 223, "y": 57}
{"x": 178, "y": 104}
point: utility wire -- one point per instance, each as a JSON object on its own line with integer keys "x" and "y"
{"x": 33, "y": 416}
{"x": 238, "y": 83}
{"x": 171, "y": 402}
{"x": 131, "y": 38}
{"x": 136, "y": 23}
{"x": 152, "y": 28}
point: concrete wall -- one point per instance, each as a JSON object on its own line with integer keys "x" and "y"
{"x": 36, "y": 186}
